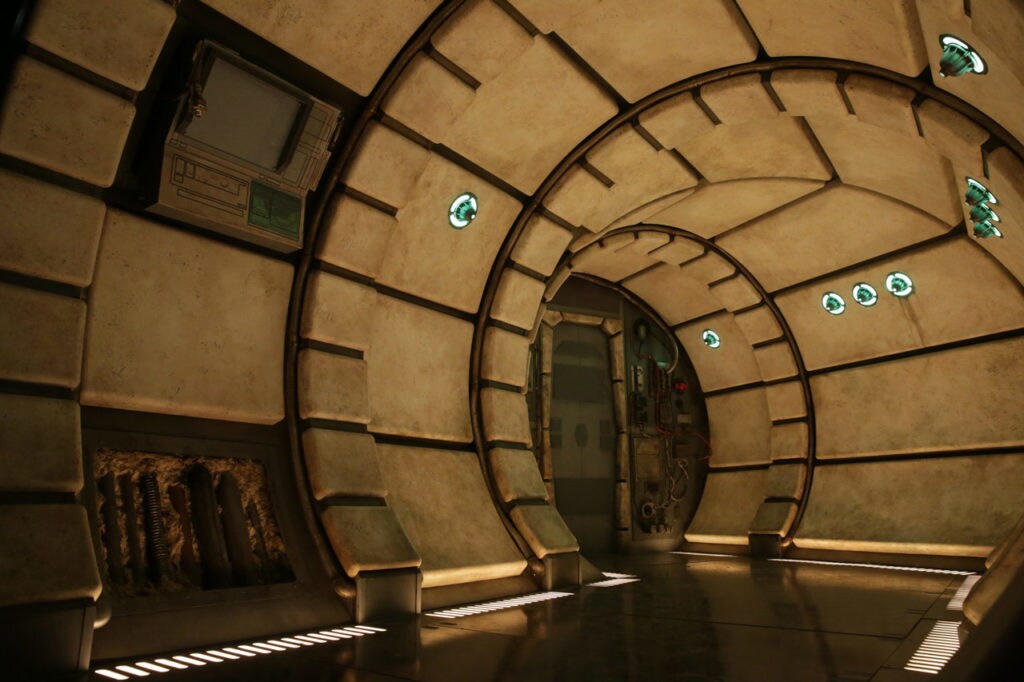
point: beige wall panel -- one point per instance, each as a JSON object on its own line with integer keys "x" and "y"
{"x": 424, "y": 238}
{"x": 428, "y": 98}
{"x": 776, "y": 361}
{"x": 387, "y": 166}
{"x": 786, "y": 401}
{"x": 544, "y": 529}
{"x": 58, "y": 122}
{"x": 355, "y": 236}
{"x": 1006, "y": 173}
{"x": 505, "y": 416}
{"x": 789, "y": 440}
{"x": 541, "y": 245}
{"x": 740, "y": 427}
{"x": 1000, "y": 90}
{"x": 644, "y": 243}
{"x": 774, "y": 518}
{"x": 640, "y": 215}
{"x": 603, "y": 261}
{"x": 341, "y": 463}
{"x": 516, "y": 475}
{"x": 40, "y": 444}
{"x": 640, "y": 47}
{"x": 542, "y": 104}
{"x": 368, "y": 539}
{"x": 48, "y": 554}
{"x": 959, "y": 292}
{"x": 482, "y": 39}
{"x": 905, "y": 168}
{"x": 184, "y": 325}
{"x": 338, "y": 311}
{"x": 759, "y": 324}
{"x": 882, "y": 103}
{"x": 786, "y": 480}
{"x": 43, "y": 335}
{"x": 672, "y": 294}
{"x": 418, "y": 369}
{"x": 808, "y": 91}
{"x": 778, "y": 147}
{"x": 715, "y": 208}
{"x": 332, "y": 387}
{"x": 879, "y": 32}
{"x": 58, "y": 243}
{"x": 954, "y": 136}
{"x": 951, "y": 505}
{"x": 740, "y": 98}
{"x": 731, "y": 364}
{"x": 517, "y": 299}
{"x": 736, "y": 293}
{"x": 855, "y": 407}
{"x": 678, "y": 251}
{"x": 573, "y": 197}
{"x": 555, "y": 282}
{"x": 676, "y": 121}
{"x": 1001, "y": 24}
{"x": 728, "y": 506}
{"x": 708, "y": 268}
{"x": 826, "y": 231}
{"x": 505, "y": 357}
{"x": 352, "y": 42}
{"x": 119, "y": 39}
{"x": 442, "y": 502}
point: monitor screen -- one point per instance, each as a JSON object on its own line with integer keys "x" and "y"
{"x": 246, "y": 116}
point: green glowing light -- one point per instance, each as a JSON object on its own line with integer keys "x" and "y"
{"x": 833, "y": 303}
{"x": 462, "y": 211}
{"x": 983, "y": 213}
{"x": 865, "y": 294}
{"x": 978, "y": 193}
{"x": 959, "y": 58}
{"x": 899, "y": 284}
{"x": 710, "y": 338}
{"x": 985, "y": 229}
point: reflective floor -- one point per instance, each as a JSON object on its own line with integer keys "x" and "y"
{"x": 687, "y": 618}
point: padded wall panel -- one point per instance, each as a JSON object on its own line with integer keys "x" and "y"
{"x": 961, "y": 398}
{"x": 727, "y": 507}
{"x": 482, "y": 39}
{"x": 544, "y": 529}
{"x": 332, "y": 387}
{"x": 882, "y": 103}
{"x": 759, "y": 324}
{"x": 739, "y": 98}
{"x": 386, "y": 165}
{"x": 672, "y": 294}
{"x": 731, "y": 364}
{"x": 418, "y": 370}
{"x": 368, "y": 538}
{"x": 40, "y": 444}
{"x": 786, "y": 401}
{"x": 338, "y": 311}
{"x": 950, "y": 505}
{"x": 1007, "y": 183}
{"x": 740, "y": 427}
{"x": 808, "y": 91}
{"x": 516, "y": 474}
{"x": 441, "y": 500}
{"x": 953, "y": 135}
{"x": 505, "y": 357}
{"x": 505, "y": 416}
{"x": 184, "y": 325}
{"x": 42, "y": 339}
{"x": 355, "y": 236}
{"x": 604, "y": 261}
{"x": 541, "y": 244}
{"x": 428, "y": 98}
{"x": 342, "y": 463}
{"x": 517, "y": 299}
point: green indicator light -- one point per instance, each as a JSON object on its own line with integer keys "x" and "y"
{"x": 462, "y": 211}
{"x": 899, "y": 284}
{"x": 710, "y": 338}
{"x": 985, "y": 229}
{"x": 865, "y": 294}
{"x": 959, "y": 58}
{"x": 978, "y": 193}
{"x": 981, "y": 213}
{"x": 833, "y": 303}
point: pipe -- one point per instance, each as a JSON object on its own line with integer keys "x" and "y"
{"x": 112, "y": 530}
{"x": 188, "y": 561}
{"x": 236, "y": 531}
{"x": 131, "y": 528}
{"x": 156, "y": 543}
{"x": 212, "y": 553}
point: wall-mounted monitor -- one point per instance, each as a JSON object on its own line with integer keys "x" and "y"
{"x": 243, "y": 151}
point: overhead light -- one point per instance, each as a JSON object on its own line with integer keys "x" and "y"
{"x": 710, "y": 338}
{"x": 865, "y": 294}
{"x": 463, "y": 211}
{"x": 833, "y": 303}
{"x": 983, "y": 213}
{"x": 978, "y": 193}
{"x": 899, "y": 284}
{"x": 959, "y": 58}
{"x": 985, "y": 229}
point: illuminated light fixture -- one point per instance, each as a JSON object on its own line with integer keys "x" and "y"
{"x": 865, "y": 294}
{"x": 234, "y": 653}
{"x": 606, "y": 574}
{"x": 613, "y": 582}
{"x": 978, "y": 193}
{"x": 957, "y": 602}
{"x": 711, "y": 338}
{"x": 913, "y": 569}
{"x": 934, "y": 652}
{"x": 899, "y": 284}
{"x": 985, "y": 229}
{"x": 728, "y": 556}
{"x": 487, "y": 607}
{"x": 462, "y": 211}
{"x": 833, "y": 303}
{"x": 984, "y": 213}
{"x": 959, "y": 58}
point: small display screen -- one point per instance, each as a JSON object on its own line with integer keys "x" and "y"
{"x": 274, "y": 210}
{"x": 245, "y": 116}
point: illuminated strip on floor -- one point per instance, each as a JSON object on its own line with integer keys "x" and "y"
{"x": 730, "y": 556}
{"x": 915, "y": 569}
{"x": 937, "y": 648}
{"x": 487, "y": 607}
{"x": 235, "y": 652}
{"x": 607, "y": 574}
{"x": 957, "y": 602}
{"x": 614, "y": 582}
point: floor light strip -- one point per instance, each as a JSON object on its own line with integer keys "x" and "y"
{"x": 957, "y": 602}
{"x": 487, "y": 607}
{"x": 942, "y": 642}
{"x": 613, "y": 582}
{"x": 914, "y": 569}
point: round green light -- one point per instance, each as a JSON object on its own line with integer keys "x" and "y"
{"x": 865, "y": 294}
{"x": 985, "y": 229}
{"x": 462, "y": 211}
{"x": 978, "y": 193}
{"x": 710, "y": 338}
{"x": 899, "y": 284}
{"x": 981, "y": 213}
{"x": 833, "y": 303}
{"x": 959, "y": 58}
